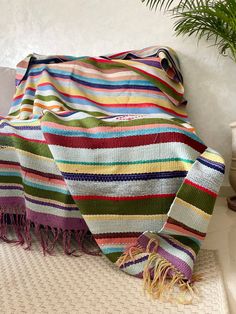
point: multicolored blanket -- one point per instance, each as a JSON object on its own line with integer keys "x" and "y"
{"x": 103, "y": 146}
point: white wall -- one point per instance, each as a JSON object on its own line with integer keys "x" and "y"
{"x": 93, "y": 27}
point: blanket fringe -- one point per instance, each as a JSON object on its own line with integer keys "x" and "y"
{"x": 73, "y": 241}
{"x": 14, "y": 221}
{"x": 160, "y": 277}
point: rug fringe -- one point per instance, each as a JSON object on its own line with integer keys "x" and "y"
{"x": 160, "y": 277}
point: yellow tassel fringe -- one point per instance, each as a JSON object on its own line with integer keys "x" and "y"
{"x": 156, "y": 275}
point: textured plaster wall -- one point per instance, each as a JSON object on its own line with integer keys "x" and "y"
{"x": 83, "y": 27}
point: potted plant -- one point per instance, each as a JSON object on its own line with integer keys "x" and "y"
{"x": 214, "y": 21}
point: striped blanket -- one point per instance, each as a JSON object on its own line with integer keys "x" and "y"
{"x": 102, "y": 147}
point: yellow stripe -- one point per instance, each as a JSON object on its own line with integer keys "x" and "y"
{"x": 125, "y": 217}
{"x": 126, "y": 169}
{"x": 213, "y": 157}
{"x": 194, "y": 208}
{"x": 24, "y": 123}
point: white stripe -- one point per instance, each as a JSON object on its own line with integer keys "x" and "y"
{"x": 152, "y": 152}
{"x": 53, "y": 211}
{"x": 97, "y": 227}
{"x": 189, "y": 217}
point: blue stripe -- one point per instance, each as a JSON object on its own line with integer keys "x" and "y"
{"x": 85, "y": 79}
{"x": 210, "y": 164}
{"x": 111, "y": 250}
{"x": 45, "y": 187}
{"x": 98, "y": 92}
{"x": 96, "y": 85}
{"x": 124, "y": 177}
{"x": 156, "y": 130}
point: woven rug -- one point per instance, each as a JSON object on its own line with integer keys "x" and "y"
{"x": 33, "y": 283}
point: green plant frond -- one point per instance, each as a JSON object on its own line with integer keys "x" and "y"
{"x": 162, "y": 4}
{"x": 214, "y": 20}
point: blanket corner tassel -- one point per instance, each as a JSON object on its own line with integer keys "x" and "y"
{"x": 160, "y": 277}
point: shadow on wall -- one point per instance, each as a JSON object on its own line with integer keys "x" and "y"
{"x": 204, "y": 86}
{"x": 7, "y": 89}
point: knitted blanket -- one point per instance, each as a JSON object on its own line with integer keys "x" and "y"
{"x": 103, "y": 146}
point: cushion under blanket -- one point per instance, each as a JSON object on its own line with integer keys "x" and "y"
{"x": 104, "y": 145}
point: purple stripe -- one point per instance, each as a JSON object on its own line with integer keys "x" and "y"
{"x": 177, "y": 246}
{"x": 211, "y": 164}
{"x": 179, "y": 264}
{"x": 56, "y": 221}
{"x": 10, "y": 187}
{"x": 123, "y": 177}
{"x": 12, "y": 202}
{"x": 50, "y": 204}
{"x": 142, "y": 259}
{"x": 155, "y": 64}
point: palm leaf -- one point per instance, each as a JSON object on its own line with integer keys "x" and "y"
{"x": 162, "y": 4}
{"x": 214, "y": 20}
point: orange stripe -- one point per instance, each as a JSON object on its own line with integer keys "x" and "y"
{"x": 170, "y": 226}
{"x": 48, "y": 107}
{"x": 116, "y": 240}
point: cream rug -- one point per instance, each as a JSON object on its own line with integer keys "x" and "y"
{"x": 33, "y": 283}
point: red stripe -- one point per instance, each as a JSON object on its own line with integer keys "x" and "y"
{"x": 200, "y": 187}
{"x": 120, "y": 198}
{"x": 128, "y": 141}
{"x": 174, "y": 222}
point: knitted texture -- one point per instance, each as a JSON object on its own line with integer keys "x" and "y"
{"x": 104, "y": 144}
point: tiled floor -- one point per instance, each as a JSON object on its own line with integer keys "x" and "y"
{"x": 222, "y": 237}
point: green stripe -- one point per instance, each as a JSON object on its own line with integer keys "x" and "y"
{"x": 11, "y": 179}
{"x": 113, "y": 257}
{"x": 15, "y": 113}
{"x": 48, "y": 195}
{"x": 197, "y": 198}
{"x": 27, "y": 101}
{"x": 188, "y": 242}
{"x": 110, "y": 163}
{"x": 150, "y": 206}
{"x": 91, "y": 122}
{"x": 39, "y": 149}
{"x": 44, "y": 194}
